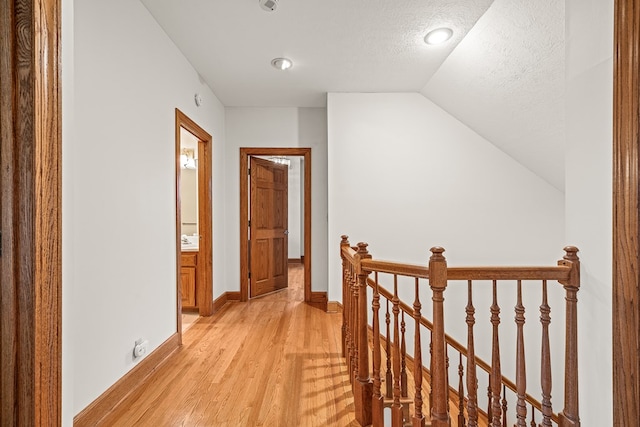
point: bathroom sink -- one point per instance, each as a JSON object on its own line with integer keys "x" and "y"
{"x": 190, "y": 243}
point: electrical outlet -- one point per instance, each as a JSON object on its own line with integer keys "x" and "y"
{"x": 140, "y": 348}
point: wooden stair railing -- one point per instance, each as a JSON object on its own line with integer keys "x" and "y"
{"x": 448, "y": 405}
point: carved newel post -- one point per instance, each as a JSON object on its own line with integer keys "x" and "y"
{"x": 362, "y": 387}
{"x": 569, "y": 417}
{"x": 440, "y": 390}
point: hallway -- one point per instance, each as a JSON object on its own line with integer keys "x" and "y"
{"x": 274, "y": 361}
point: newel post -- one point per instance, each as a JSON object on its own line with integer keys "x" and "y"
{"x": 569, "y": 417}
{"x": 362, "y": 387}
{"x": 440, "y": 392}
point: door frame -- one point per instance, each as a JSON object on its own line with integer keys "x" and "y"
{"x": 626, "y": 213}
{"x": 204, "y": 268}
{"x": 31, "y": 214}
{"x": 245, "y": 153}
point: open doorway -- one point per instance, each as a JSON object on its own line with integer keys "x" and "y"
{"x": 304, "y": 156}
{"x": 193, "y": 222}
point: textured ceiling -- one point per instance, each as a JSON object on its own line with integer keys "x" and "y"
{"x": 505, "y": 80}
{"x": 502, "y": 74}
{"x": 336, "y": 45}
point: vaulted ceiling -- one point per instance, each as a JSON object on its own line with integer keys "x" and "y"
{"x": 502, "y": 74}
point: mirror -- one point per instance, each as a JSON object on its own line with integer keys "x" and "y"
{"x": 188, "y": 190}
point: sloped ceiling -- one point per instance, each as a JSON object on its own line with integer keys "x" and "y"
{"x": 502, "y": 74}
{"x": 505, "y": 80}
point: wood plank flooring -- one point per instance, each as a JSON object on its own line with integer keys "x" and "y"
{"x": 273, "y": 361}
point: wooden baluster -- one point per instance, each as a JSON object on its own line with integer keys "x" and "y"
{"x": 378, "y": 399}
{"x": 389, "y": 376}
{"x": 344, "y": 243}
{"x": 545, "y": 370}
{"x": 403, "y": 360}
{"x": 461, "y": 421}
{"x": 363, "y": 388}
{"x": 396, "y": 406}
{"x": 570, "y": 417}
{"x": 438, "y": 284}
{"x": 533, "y": 416}
{"x": 504, "y": 406}
{"x": 521, "y": 370}
{"x": 496, "y": 373}
{"x": 446, "y": 357}
{"x": 418, "y": 416}
{"x": 490, "y": 404}
{"x": 472, "y": 380}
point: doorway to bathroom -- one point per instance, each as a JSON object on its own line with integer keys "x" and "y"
{"x": 193, "y": 222}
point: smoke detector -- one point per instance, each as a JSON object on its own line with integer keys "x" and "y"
{"x": 268, "y": 5}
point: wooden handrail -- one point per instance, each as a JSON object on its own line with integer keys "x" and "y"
{"x": 509, "y": 273}
{"x": 409, "y": 270}
{"x": 559, "y": 273}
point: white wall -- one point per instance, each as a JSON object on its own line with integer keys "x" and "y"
{"x": 405, "y": 176}
{"x": 589, "y": 83}
{"x": 119, "y": 258}
{"x": 294, "y": 208}
{"x": 277, "y": 127}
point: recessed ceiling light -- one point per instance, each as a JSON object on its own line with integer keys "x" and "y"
{"x": 268, "y": 5}
{"x": 438, "y": 36}
{"x": 282, "y": 63}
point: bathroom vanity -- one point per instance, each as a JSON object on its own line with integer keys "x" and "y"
{"x": 189, "y": 271}
{"x": 189, "y": 278}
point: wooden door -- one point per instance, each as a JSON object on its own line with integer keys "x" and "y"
{"x": 268, "y": 227}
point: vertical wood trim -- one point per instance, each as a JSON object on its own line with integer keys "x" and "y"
{"x": 244, "y": 225}
{"x": 205, "y": 255}
{"x": 307, "y": 226}
{"x": 30, "y": 380}
{"x": 178, "y": 230}
{"x": 8, "y": 322}
{"x": 204, "y": 291}
{"x": 48, "y": 215}
{"x": 626, "y": 251}
{"x": 245, "y": 152}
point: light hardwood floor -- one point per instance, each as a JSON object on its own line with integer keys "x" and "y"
{"x": 273, "y": 361}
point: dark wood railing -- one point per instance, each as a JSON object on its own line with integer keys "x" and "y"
{"x": 380, "y": 343}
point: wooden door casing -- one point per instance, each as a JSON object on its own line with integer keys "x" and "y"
{"x": 245, "y": 154}
{"x": 204, "y": 272}
{"x": 269, "y": 219}
{"x": 626, "y": 215}
{"x": 31, "y": 214}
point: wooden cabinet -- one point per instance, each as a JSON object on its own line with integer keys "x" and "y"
{"x": 189, "y": 279}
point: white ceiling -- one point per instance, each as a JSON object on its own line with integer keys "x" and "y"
{"x": 502, "y": 74}
{"x": 335, "y": 45}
